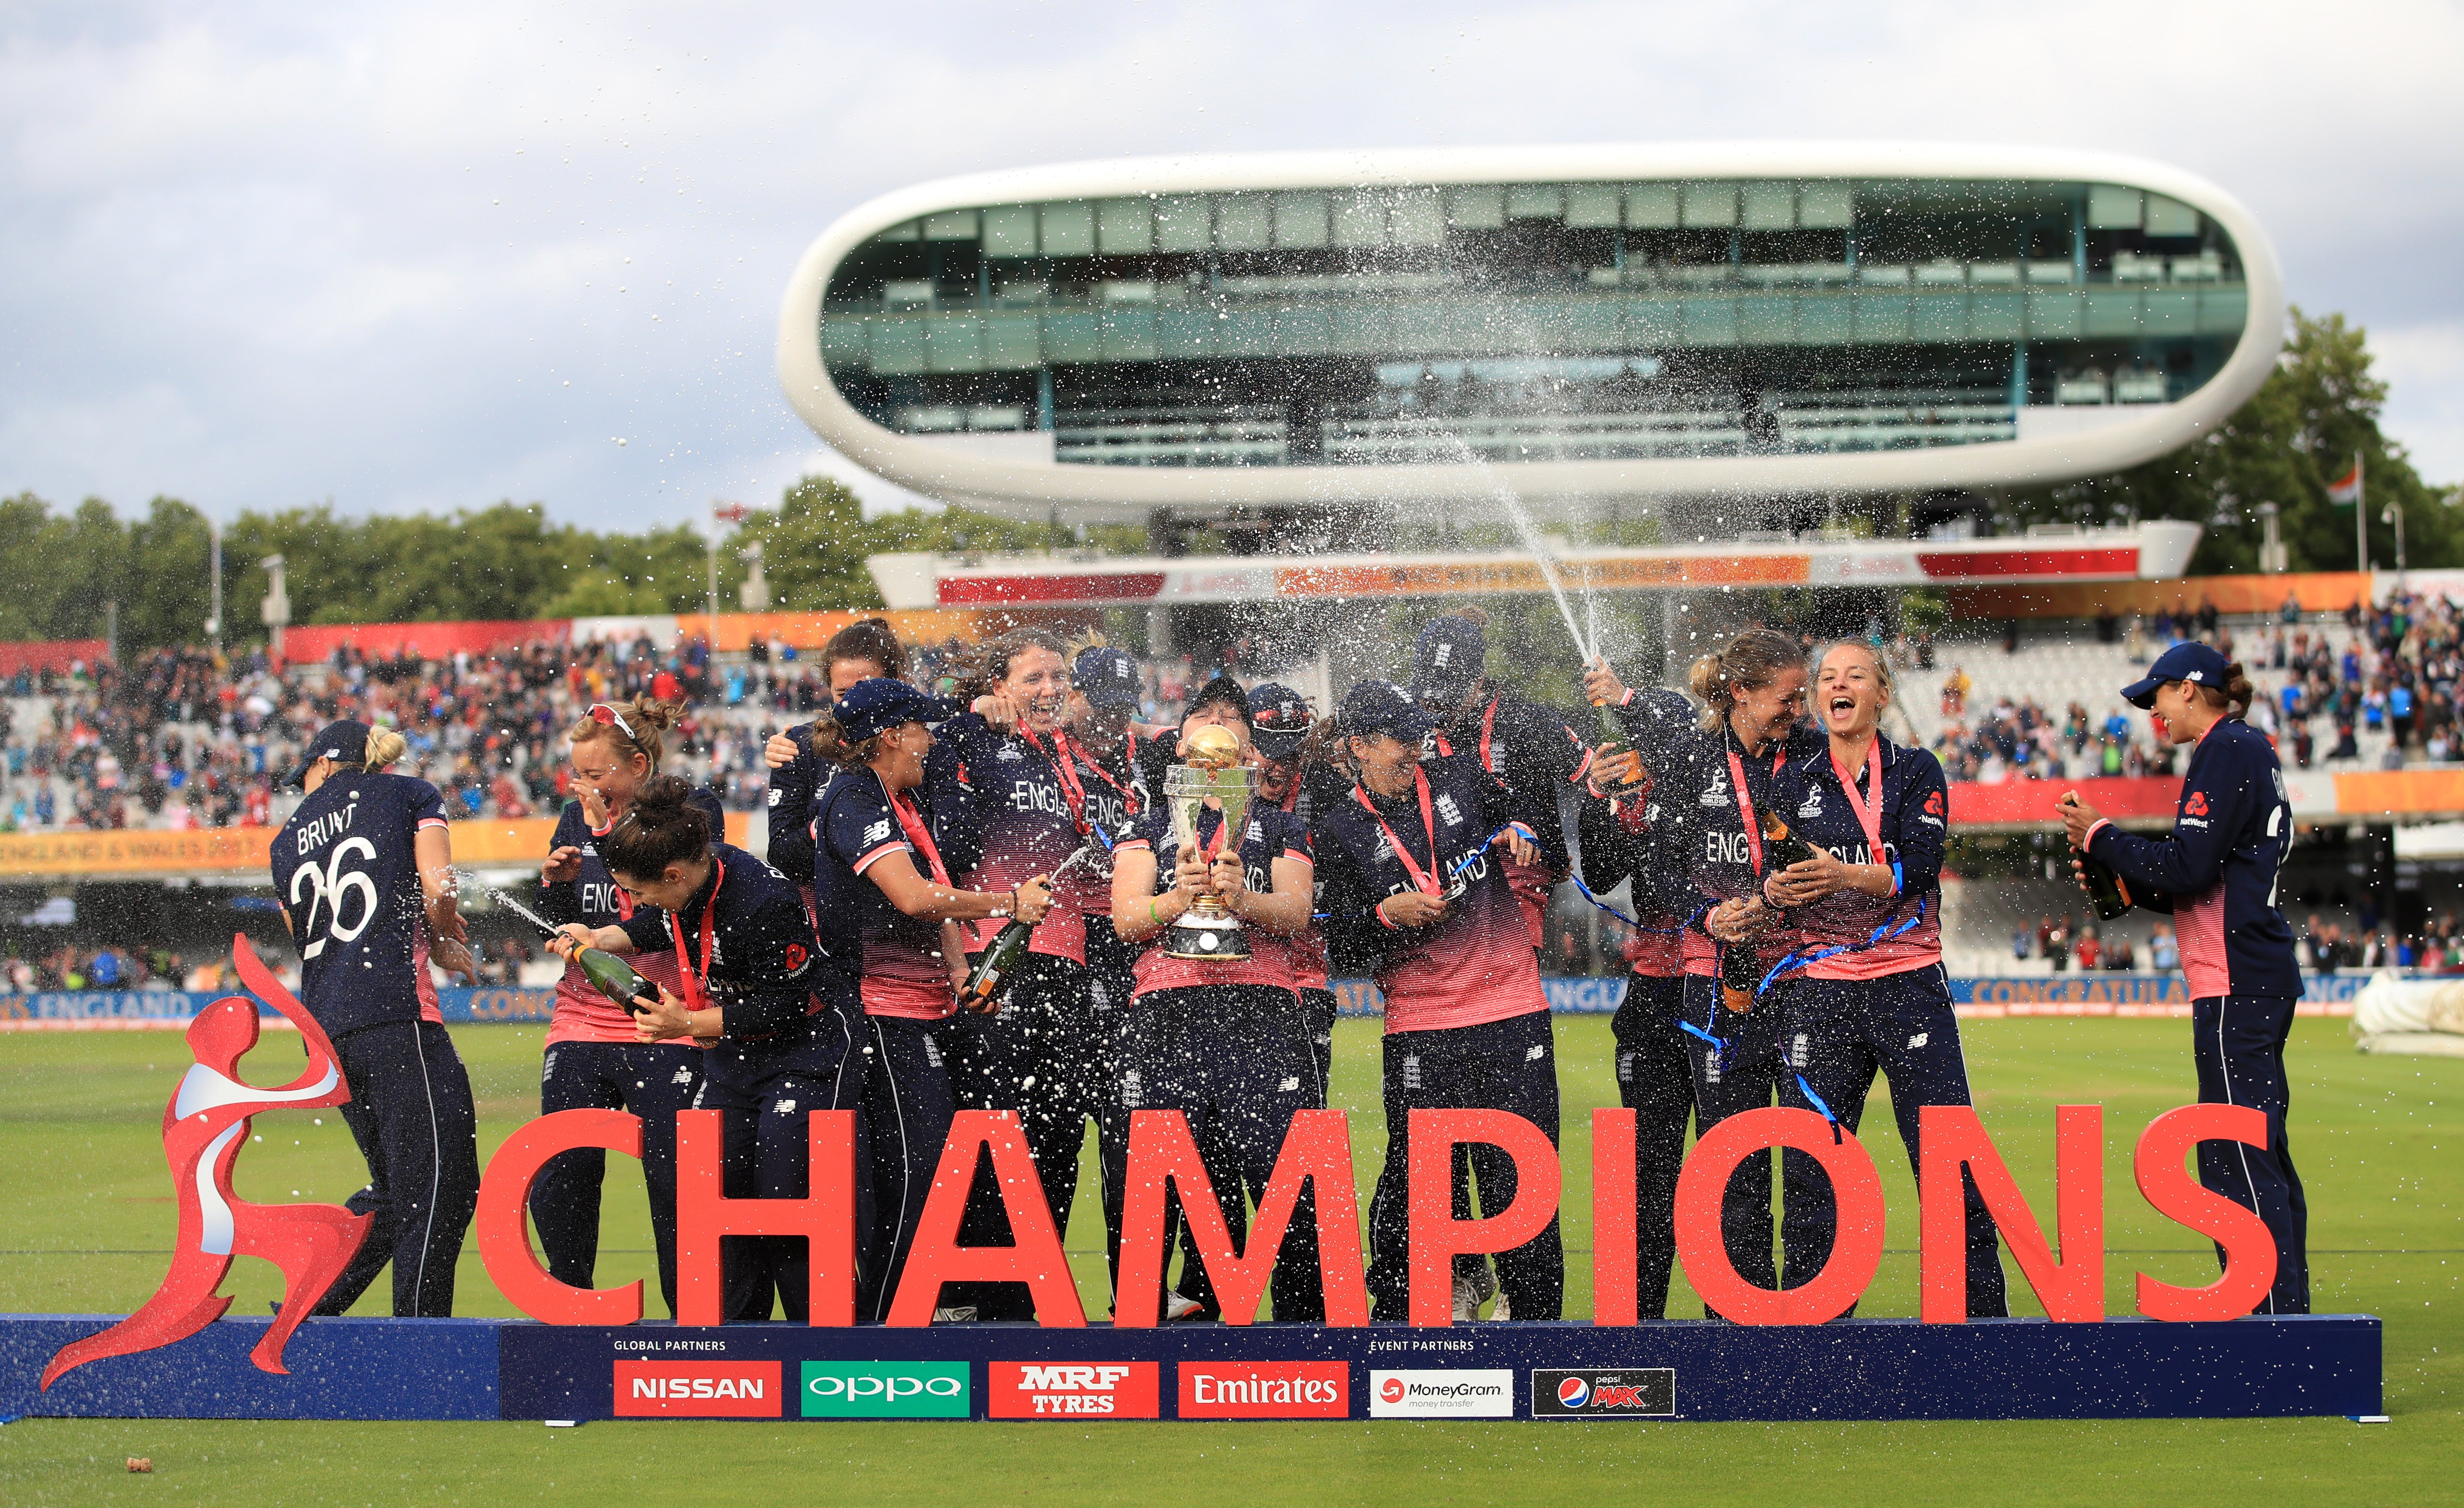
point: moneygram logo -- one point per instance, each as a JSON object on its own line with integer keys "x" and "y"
{"x": 1075, "y": 1390}
{"x": 699, "y": 1390}
{"x": 887, "y": 1391}
{"x": 1265, "y": 1390}
{"x": 1643, "y": 1392}
{"x": 1450, "y": 1394}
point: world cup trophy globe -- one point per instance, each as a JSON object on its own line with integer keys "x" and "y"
{"x": 1206, "y": 931}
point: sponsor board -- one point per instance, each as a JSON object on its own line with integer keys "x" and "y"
{"x": 886, "y": 1391}
{"x": 1451, "y": 1393}
{"x": 1638, "y": 1393}
{"x": 1265, "y": 1390}
{"x": 699, "y": 1390}
{"x": 1075, "y": 1390}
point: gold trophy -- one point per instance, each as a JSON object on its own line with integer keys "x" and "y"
{"x": 1206, "y": 930}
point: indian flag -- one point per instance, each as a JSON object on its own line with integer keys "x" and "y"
{"x": 2347, "y": 489}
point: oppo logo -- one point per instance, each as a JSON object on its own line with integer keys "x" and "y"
{"x": 873, "y": 1384}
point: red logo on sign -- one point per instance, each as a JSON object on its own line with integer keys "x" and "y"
{"x": 2196, "y": 805}
{"x": 1075, "y": 1390}
{"x": 699, "y": 1390}
{"x": 1393, "y": 1390}
{"x": 1265, "y": 1390}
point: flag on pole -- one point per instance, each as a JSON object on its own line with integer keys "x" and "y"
{"x": 2346, "y": 491}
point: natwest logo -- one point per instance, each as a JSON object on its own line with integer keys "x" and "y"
{"x": 699, "y": 1390}
{"x": 1468, "y": 1393}
{"x": 1646, "y": 1392}
{"x": 1265, "y": 1390}
{"x": 1075, "y": 1390}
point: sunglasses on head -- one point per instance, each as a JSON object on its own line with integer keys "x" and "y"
{"x": 607, "y": 716}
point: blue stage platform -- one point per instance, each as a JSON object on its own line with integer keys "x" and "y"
{"x": 2124, "y": 1369}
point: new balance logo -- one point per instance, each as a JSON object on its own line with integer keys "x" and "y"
{"x": 1919, "y": 1040}
{"x": 1538, "y": 1051}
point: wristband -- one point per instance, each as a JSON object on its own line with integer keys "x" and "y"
{"x": 1152, "y": 914}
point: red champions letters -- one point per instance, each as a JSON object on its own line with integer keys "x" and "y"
{"x": 1436, "y": 1235}
{"x": 1953, "y": 1138}
{"x": 505, "y": 1197}
{"x": 2249, "y": 1248}
{"x": 1615, "y": 1280}
{"x": 824, "y": 1217}
{"x": 936, "y": 1257}
{"x": 1316, "y": 1149}
{"x": 1855, "y": 1250}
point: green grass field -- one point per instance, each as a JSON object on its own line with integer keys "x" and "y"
{"x": 86, "y": 1222}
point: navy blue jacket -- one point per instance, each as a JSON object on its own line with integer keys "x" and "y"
{"x": 2217, "y": 870}
{"x": 1915, "y": 821}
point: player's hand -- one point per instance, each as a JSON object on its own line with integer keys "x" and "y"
{"x": 594, "y": 808}
{"x": 666, "y": 1022}
{"x": 1001, "y": 711}
{"x": 1809, "y": 879}
{"x": 1227, "y": 877}
{"x": 563, "y": 867}
{"x": 1738, "y": 921}
{"x": 1412, "y": 908}
{"x": 1034, "y": 899}
{"x": 1519, "y": 844}
{"x": 2078, "y": 871}
{"x": 1189, "y": 875}
{"x": 452, "y": 956}
{"x": 570, "y": 940}
{"x": 2077, "y": 817}
{"x": 1601, "y": 684}
{"x": 779, "y": 751}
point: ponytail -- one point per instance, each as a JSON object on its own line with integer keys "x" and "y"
{"x": 1751, "y": 661}
{"x": 2234, "y": 696}
{"x": 384, "y": 747}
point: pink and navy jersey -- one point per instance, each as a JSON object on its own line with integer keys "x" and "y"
{"x": 1002, "y": 813}
{"x": 1538, "y": 755}
{"x": 1269, "y": 834}
{"x": 1633, "y": 838}
{"x": 897, "y": 956}
{"x": 1914, "y": 821}
{"x": 1698, "y": 793}
{"x": 346, "y": 875}
{"x": 1476, "y": 964}
{"x": 2217, "y": 870}
{"x": 583, "y": 1013}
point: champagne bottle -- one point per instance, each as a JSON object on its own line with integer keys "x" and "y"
{"x": 1739, "y": 973}
{"x": 992, "y": 970}
{"x": 1780, "y": 848}
{"x": 1617, "y": 766}
{"x": 2107, "y": 890}
{"x": 615, "y": 978}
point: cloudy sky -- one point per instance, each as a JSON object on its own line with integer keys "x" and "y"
{"x": 423, "y": 257}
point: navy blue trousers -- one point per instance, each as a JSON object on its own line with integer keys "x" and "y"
{"x": 1237, "y": 1061}
{"x": 1838, "y": 1034}
{"x": 651, "y": 1080}
{"x": 764, "y": 1091}
{"x": 411, "y": 1111}
{"x": 907, "y": 1109}
{"x": 1498, "y": 1065}
{"x": 1743, "y": 1077}
{"x": 2238, "y": 1044}
{"x": 1656, "y": 1083}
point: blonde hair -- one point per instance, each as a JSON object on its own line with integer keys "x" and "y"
{"x": 648, "y": 719}
{"x": 1883, "y": 677}
{"x": 384, "y": 747}
{"x": 1751, "y": 661}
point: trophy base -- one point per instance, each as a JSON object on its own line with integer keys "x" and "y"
{"x": 1206, "y": 939}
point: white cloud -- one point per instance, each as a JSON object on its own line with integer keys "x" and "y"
{"x": 380, "y": 253}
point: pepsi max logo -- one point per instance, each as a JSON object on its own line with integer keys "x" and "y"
{"x": 1646, "y": 1392}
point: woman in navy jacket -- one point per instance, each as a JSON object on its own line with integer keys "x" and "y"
{"x": 2217, "y": 874}
{"x": 1868, "y": 993}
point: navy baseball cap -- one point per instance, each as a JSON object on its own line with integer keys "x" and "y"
{"x": 2188, "y": 661}
{"x": 877, "y": 703}
{"x": 1223, "y": 689}
{"x": 1107, "y": 676}
{"x": 1446, "y": 661}
{"x": 1381, "y": 707}
{"x": 1279, "y": 719}
{"x": 345, "y": 742}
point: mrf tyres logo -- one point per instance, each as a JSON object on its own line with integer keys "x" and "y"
{"x": 1453, "y": 1393}
{"x": 1635, "y": 1392}
{"x": 699, "y": 1390}
{"x": 886, "y": 1391}
{"x": 1074, "y": 1390}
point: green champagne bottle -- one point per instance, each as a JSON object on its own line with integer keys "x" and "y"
{"x": 1617, "y": 768}
{"x": 2107, "y": 890}
{"x": 1780, "y": 848}
{"x": 1739, "y": 971}
{"x": 616, "y": 978}
{"x": 992, "y": 970}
